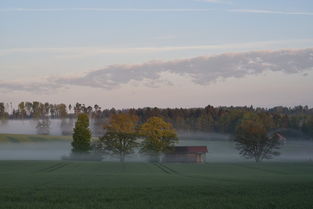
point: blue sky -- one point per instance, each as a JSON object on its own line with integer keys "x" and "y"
{"x": 45, "y": 42}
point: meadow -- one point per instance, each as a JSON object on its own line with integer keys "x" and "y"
{"x": 42, "y": 182}
{"x": 68, "y": 184}
{"x": 22, "y": 138}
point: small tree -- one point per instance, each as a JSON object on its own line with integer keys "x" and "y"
{"x": 3, "y": 114}
{"x": 43, "y": 126}
{"x": 121, "y": 135}
{"x": 159, "y": 136}
{"x": 81, "y": 135}
{"x": 308, "y": 126}
{"x": 253, "y": 141}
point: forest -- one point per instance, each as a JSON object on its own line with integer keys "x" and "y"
{"x": 289, "y": 120}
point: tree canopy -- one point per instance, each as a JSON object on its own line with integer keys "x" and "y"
{"x": 159, "y": 136}
{"x": 220, "y": 119}
{"x": 253, "y": 141}
{"x": 81, "y": 135}
{"x": 121, "y": 135}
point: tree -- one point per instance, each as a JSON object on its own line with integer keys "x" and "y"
{"x": 28, "y": 106}
{"x": 121, "y": 135}
{"x": 81, "y": 135}
{"x": 252, "y": 140}
{"x": 43, "y": 126}
{"x": 2, "y": 110}
{"x": 77, "y": 108}
{"x": 308, "y": 126}
{"x": 61, "y": 110}
{"x": 36, "y": 109}
{"x": 21, "y": 109}
{"x": 159, "y": 136}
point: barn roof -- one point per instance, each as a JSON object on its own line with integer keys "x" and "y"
{"x": 190, "y": 149}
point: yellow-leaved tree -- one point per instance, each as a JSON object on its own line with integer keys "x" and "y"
{"x": 120, "y": 137}
{"x": 159, "y": 136}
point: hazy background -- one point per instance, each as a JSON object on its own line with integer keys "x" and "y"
{"x": 139, "y": 53}
{"x": 220, "y": 146}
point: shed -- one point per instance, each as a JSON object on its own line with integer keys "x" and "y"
{"x": 186, "y": 154}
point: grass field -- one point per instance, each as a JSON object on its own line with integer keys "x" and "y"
{"x": 21, "y": 138}
{"x": 63, "y": 184}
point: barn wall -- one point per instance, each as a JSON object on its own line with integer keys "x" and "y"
{"x": 184, "y": 158}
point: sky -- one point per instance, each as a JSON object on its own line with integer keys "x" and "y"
{"x": 165, "y": 53}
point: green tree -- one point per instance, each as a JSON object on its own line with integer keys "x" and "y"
{"x": 121, "y": 135}
{"x": 253, "y": 141}
{"x": 2, "y": 110}
{"x": 308, "y": 126}
{"x": 159, "y": 136}
{"x": 36, "y": 110}
{"x": 3, "y": 113}
{"x": 61, "y": 110}
{"x": 28, "y": 107}
{"x": 21, "y": 109}
{"x": 81, "y": 135}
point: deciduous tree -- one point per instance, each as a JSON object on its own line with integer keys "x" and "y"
{"x": 121, "y": 135}
{"x": 253, "y": 141}
{"x": 159, "y": 136}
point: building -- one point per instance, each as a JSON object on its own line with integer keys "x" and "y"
{"x": 186, "y": 154}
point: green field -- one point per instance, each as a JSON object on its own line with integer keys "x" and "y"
{"x": 21, "y": 138}
{"x": 64, "y": 184}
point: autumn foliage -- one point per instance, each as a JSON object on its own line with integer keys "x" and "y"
{"x": 253, "y": 140}
{"x": 159, "y": 136}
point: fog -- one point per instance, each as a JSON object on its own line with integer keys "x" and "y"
{"x": 220, "y": 147}
{"x": 29, "y": 127}
{"x": 57, "y": 127}
{"x": 34, "y": 150}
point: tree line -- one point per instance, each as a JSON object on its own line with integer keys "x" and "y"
{"x": 155, "y": 137}
{"x": 207, "y": 119}
{"x": 122, "y": 136}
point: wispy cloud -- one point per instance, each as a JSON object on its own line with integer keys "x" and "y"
{"x": 238, "y": 10}
{"x": 105, "y": 9}
{"x": 276, "y": 12}
{"x": 216, "y": 1}
{"x": 78, "y": 52}
{"x": 29, "y": 86}
{"x": 201, "y": 70}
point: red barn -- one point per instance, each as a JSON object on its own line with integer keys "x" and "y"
{"x": 186, "y": 154}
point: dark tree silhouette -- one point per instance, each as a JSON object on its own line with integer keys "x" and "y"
{"x": 253, "y": 141}
{"x": 81, "y": 135}
{"x": 120, "y": 137}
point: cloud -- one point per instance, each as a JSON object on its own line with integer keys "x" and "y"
{"x": 79, "y": 52}
{"x": 276, "y": 12}
{"x": 41, "y": 87}
{"x": 105, "y": 9}
{"x": 201, "y": 70}
{"x": 254, "y": 11}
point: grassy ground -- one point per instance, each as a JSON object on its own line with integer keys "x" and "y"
{"x": 62, "y": 184}
{"x": 17, "y": 138}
